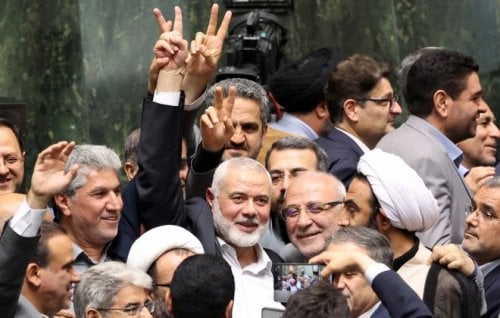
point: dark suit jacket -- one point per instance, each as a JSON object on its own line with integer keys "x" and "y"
{"x": 343, "y": 155}
{"x": 154, "y": 197}
{"x": 492, "y": 293}
{"x": 15, "y": 253}
{"x": 398, "y": 299}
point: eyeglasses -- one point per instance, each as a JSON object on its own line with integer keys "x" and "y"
{"x": 293, "y": 210}
{"x": 134, "y": 309}
{"x": 391, "y": 100}
{"x": 484, "y": 215}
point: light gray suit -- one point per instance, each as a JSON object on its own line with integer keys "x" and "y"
{"x": 419, "y": 148}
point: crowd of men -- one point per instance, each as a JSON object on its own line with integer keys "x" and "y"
{"x": 405, "y": 219}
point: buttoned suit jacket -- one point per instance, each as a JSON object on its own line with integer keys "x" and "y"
{"x": 15, "y": 253}
{"x": 343, "y": 155}
{"x": 419, "y": 148}
{"x": 492, "y": 293}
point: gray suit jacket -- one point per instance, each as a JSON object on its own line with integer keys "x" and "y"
{"x": 26, "y": 310}
{"x": 15, "y": 252}
{"x": 420, "y": 149}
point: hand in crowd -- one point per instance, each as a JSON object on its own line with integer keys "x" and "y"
{"x": 477, "y": 176}
{"x": 170, "y": 51}
{"x": 453, "y": 257}
{"x": 204, "y": 54}
{"x": 343, "y": 258}
{"x": 64, "y": 313}
{"x": 49, "y": 177}
{"x": 216, "y": 126}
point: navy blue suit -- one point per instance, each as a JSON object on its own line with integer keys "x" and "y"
{"x": 492, "y": 293}
{"x": 343, "y": 155}
{"x": 398, "y": 299}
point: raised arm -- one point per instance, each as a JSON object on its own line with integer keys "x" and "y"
{"x": 20, "y": 236}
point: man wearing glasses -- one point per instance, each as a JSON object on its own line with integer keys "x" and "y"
{"x": 363, "y": 108}
{"x": 444, "y": 98}
{"x": 111, "y": 289}
{"x": 482, "y": 226}
{"x": 311, "y": 210}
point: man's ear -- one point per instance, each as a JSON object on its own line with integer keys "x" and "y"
{"x": 441, "y": 106}
{"x": 383, "y": 222}
{"x": 169, "y": 304}
{"x": 130, "y": 170}
{"x": 350, "y": 110}
{"x": 228, "y": 313}
{"x": 264, "y": 130}
{"x": 210, "y": 196}
{"x": 92, "y": 313}
{"x": 322, "y": 110}
{"x": 63, "y": 202}
{"x": 32, "y": 275}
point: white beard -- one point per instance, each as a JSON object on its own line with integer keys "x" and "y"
{"x": 230, "y": 233}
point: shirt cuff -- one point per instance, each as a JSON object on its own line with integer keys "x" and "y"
{"x": 167, "y": 98}
{"x": 26, "y": 221}
{"x": 374, "y": 270}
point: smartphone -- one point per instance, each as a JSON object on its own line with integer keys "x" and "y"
{"x": 292, "y": 277}
{"x": 272, "y": 312}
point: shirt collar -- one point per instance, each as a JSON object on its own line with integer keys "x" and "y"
{"x": 358, "y": 142}
{"x": 263, "y": 263}
{"x": 293, "y": 124}
{"x": 488, "y": 267}
{"x": 452, "y": 150}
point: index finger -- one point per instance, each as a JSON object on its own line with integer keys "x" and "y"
{"x": 178, "y": 20}
{"x": 163, "y": 25}
{"x": 229, "y": 102}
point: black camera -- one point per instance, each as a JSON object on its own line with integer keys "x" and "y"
{"x": 254, "y": 48}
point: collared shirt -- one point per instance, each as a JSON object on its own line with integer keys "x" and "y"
{"x": 253, "y": 283}
{"x": 358, "y": 142}
{"x": 488, "y": 267}
{"x": 292, "y": 124}
{"x": 369, "y": 313}
{"x": 452, "y": 150}
{"x": 83, "y": 261}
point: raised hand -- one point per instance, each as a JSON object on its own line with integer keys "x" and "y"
{"x": 453, "y": 257}
{"x": 49, "y": 177}
{"x": 205, "y": 53}
{"x": 216, "y": 127}
{"x": 170, "y": 51}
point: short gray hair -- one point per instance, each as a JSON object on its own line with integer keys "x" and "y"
{"x": 90, "y": 158}
{"x": 240, "y": 163}
{"x": 492, "y": 183}
{"x": 245, "y": 88}
{"x": 375, "y": 243}
{"x": 101, "y": 283}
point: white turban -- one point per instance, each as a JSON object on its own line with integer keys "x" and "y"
{"x": 406, "y": 201}
{"x": 155, "y": 242}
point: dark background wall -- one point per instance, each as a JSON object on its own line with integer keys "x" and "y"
{"x": 81, "y": 66}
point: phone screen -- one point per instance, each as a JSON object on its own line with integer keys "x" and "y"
{"x": 292, "y": 277}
